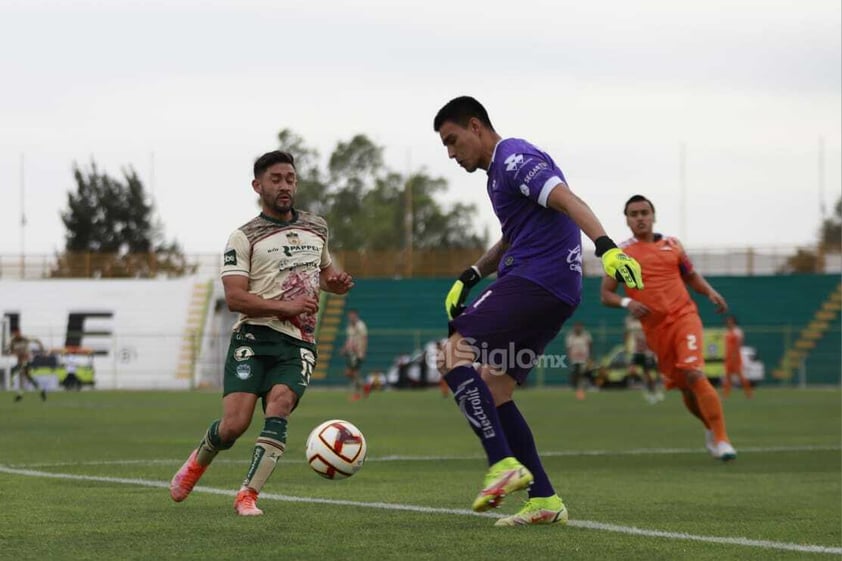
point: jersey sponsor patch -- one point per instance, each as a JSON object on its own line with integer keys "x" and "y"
{"x": 243, "y": 353}
{"x": 230, "y": 257}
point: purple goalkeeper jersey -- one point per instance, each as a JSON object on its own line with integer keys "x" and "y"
{"x": 545, "y": 246}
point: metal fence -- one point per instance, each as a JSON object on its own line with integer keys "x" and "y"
{"x": 746, "y": 261}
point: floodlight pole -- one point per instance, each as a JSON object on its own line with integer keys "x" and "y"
{"x": 682, "y": 191}
{"x": 22, "y": 220}
{"x": 407, "y": 217}
{"x": 820, "y": 179}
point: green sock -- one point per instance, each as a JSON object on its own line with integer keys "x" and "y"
{"x": 211, "y": 445}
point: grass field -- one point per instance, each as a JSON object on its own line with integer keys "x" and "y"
{"x": 85, "y": 475}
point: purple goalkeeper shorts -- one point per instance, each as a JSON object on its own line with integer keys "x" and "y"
{"x": 510, "y": 323}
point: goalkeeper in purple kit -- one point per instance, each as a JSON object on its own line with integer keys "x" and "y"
{"x": 505, "y": 328}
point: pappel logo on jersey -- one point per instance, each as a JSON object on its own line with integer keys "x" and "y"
{"x": 230, "y": 257}
{"x": 298, "y": 248}
{"x": 293, "y": 238}
{"x": 243, "y": 353}
{"x": 243, "y": 371}
{"x": 514, "y": 162}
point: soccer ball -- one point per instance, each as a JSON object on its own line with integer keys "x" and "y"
{"x": 336, "y": 449}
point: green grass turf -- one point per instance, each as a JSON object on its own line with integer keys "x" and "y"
{"x": 614, "y": 459}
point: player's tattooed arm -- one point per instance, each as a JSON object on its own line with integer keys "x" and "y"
{"x": 487, "y": 264}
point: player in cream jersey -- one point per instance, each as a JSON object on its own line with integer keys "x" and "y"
{"x": 283, "y": 260}
{"x": 272, "y": 270}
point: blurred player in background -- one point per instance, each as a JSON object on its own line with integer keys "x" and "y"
{"x": 354, "y": 350}
{"x": 578, "y": 344}
{"x": 642, "y": 359}
{"x": 670, "y": 318}
{"x": 21, "y": 347}
{"x": 272, "y": 271}
{"x": 539, "y": 283}
{"x": 734, "y": 358}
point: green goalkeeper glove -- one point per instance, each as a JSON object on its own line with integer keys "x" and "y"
{"x": 617, "y": 264}
{"x": 454, "y": 303}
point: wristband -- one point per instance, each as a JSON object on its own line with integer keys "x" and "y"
{"x": 603, "y": 244}
{"x": 625, "y": 301}
{"x": 470, "y": 276}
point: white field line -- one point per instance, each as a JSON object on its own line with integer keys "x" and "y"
{"x": 403, "y": 458}
{"x": 631, "y": 530}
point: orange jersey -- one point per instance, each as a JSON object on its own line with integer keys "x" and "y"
{"x": 664, "y": 264}
{"x": 733, "y": 343}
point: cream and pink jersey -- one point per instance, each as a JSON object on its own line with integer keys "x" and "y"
{"x": 282, "y": 260}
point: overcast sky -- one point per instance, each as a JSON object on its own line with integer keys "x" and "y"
{"x": 190, "y": 92}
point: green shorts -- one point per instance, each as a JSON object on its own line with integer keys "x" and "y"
{"x": 353, "y": 362}
{"x": 260, "y": 357}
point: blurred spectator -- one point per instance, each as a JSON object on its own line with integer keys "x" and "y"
{"x": 734, "y": 358}
{"x": 354, "y": 350}
{"x": 642, "y": 361}
{"x": 578, "y": 343}
{"x": 22, "y": 348}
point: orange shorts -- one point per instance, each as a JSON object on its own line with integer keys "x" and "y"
{"x": 679, "y": 347}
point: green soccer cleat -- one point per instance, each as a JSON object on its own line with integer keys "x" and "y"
{"x": 538, "y": 510}
{"x": 505, "y": 477}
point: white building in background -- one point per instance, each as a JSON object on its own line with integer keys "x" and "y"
{"x": 145, "y": 333}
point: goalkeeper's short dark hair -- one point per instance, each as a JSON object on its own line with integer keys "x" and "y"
{"x": 637, "y": 199}
{"x": 460, "y": 110}
{"x": 269, "y": 159}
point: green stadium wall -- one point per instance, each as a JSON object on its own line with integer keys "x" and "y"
{"x": 403, "y": 314}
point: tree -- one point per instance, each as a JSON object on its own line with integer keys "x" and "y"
{"x": 831, "y": 230}
{"x": 312, "y": 189}
{"x": 111, "y": 231}
{"x": 830, "y": 241}
{"x": 366, "y": 204}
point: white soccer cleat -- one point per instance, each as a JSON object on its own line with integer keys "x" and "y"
{"x": 720, "y": 450}
{"x": 710, "y": 444}
{"x": 725, "y": 452}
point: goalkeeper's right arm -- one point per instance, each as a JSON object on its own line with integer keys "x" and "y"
{"x": 454, "y": 302}
{"x": 615, "y": 263}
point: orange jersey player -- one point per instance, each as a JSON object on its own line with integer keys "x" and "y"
{"x": 733, "y": 358}
{"x": 670, "y": 318}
